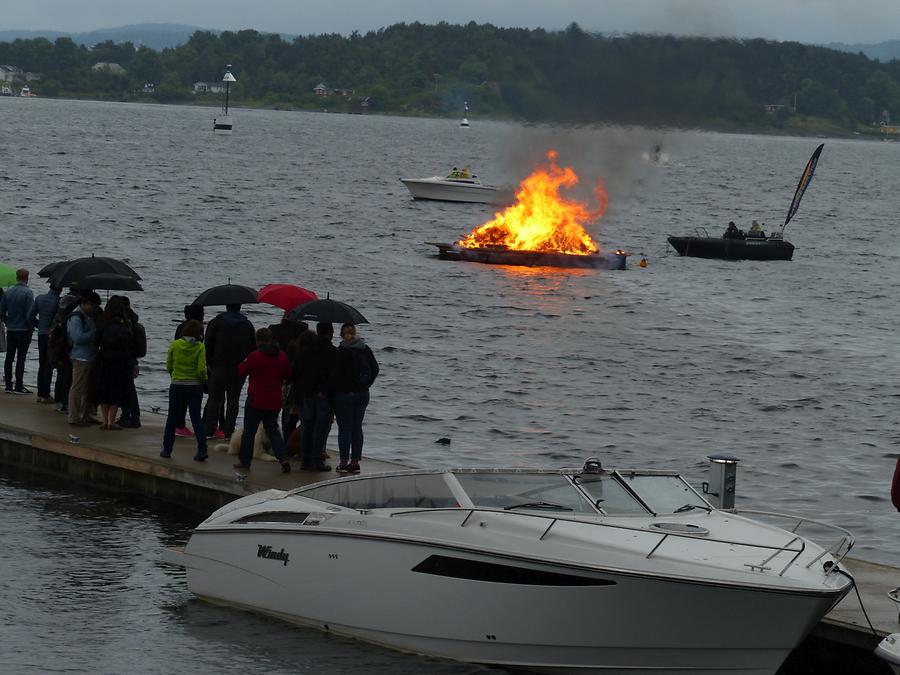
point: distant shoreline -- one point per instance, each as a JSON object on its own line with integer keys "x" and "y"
{"x": 817, "y": 128}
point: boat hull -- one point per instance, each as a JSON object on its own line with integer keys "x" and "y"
{"x": 733, "y": 249}
{"x": 889, "y": 650}
{"x": 503, "y": 256}
{"x": 450, "y": 192}
{"x": 366, "y": 586}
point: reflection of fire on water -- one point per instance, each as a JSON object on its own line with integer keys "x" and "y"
{"x": 542, "y": 220}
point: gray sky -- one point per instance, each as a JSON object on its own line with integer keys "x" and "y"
{"x": 849, "y": 21}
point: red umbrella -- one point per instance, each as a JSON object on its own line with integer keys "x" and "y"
{"x": 285, "y": 296}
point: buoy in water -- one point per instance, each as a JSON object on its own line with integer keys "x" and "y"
{"x": 643, "y": 262}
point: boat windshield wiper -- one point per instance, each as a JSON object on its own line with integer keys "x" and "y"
{"x": 691, "y": 507}
{"x": 538, "y": 505}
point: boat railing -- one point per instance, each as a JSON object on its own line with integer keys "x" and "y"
{"x": 701, "y": 232}
{"x": 838, "y": 550}
{"x": 664, "y": 536}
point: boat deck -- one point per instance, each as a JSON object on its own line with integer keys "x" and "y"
{"x": 37, "y": 438}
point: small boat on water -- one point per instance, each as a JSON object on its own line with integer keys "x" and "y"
{"x": 755, "y": 245}
{"x": 26, "y": 91}
{"x": 457, "y": 186}
{"x": 501, "y": 255}
{"x": 889, "y": 650}
{"x": 557, "y": 571}
{"x": 5, "y": 90}
{"x": 749, "y": 248}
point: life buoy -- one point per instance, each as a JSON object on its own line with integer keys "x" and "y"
{"x": 895, "y": 486}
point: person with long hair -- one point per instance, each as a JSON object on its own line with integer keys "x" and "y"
{"x": 115, "y": 360}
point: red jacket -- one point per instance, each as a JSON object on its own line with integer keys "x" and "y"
{"x": 268, "y": 367}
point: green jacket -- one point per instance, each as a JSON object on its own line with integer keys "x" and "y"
{"x": 186, "y": 360}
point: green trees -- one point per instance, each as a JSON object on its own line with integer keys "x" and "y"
{"x": 570, "y": 75}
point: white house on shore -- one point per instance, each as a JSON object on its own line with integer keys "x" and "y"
{"x": 209, "y": 88}
{"x": 11, "y": 74}
{"x": 106, "y": 67}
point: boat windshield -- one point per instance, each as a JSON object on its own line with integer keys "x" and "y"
{"x": 609, "y": 495}
{"x": 665, "y": 493}
{"x": 524, "y": 491}
{"x": 424, "y": 491}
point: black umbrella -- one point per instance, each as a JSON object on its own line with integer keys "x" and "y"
{"x": 109, "y": 282}
{"x": 327, "y": 310}
{"x": 47, "y": 270}
{"x": 71, "y": 272}
{"x": 226, "y": 294}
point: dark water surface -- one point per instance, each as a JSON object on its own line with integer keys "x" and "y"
{"x": 791, "y": 366}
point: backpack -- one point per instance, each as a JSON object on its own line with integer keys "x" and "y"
{"x": 361, "y": 368}
{"x": 58, "y": 345}
{"x": 139, "y": 340}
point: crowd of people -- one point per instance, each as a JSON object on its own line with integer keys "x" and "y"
{"x": 300, "y": 383}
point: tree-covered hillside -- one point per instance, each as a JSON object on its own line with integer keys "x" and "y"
{"x": 569, "y": 75}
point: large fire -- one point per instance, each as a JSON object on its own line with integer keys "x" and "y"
{"x": 541, "y": 219}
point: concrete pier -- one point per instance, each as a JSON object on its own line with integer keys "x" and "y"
{"x": 36, "y": 437}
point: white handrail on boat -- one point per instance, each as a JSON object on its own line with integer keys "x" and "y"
{"x": 835, "y": 549}
{"x": 663, "y": 536}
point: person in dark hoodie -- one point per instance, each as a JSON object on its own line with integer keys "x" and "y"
{"x": 355, "y": 369}
{"x": 268, "y": 369}
{"x": 285, "y": 333}
{"x": 131, "y": 410}
{"x": 313, "y": 373}
{"x": 229, "y": 340}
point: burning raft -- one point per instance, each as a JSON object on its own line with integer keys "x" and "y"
{"x": 501, "y": 255}
{"x": 540, "y": 229}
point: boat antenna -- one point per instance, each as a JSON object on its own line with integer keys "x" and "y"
{"x": 805, "y": 178}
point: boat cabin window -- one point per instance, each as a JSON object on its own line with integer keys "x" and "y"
{"x": 665, "y": 494}
{"x": 608, "y": 494}
{"x": 419, "y": 491}
{"x": 274, "y": 517}
{"x": 546, "y": 492}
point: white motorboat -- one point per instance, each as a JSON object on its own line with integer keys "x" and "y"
{"x": 562, "y": 571}
{"x": 889, "y": 650}
{"x": 458, "y": 186}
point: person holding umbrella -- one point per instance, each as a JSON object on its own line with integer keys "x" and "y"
{"x": 268, "y": 369}
{"x": 229, "y": 339}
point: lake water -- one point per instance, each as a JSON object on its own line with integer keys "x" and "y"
{"x": 791, "y": 366}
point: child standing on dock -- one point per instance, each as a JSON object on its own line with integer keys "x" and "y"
{"x": 186, "y": 362}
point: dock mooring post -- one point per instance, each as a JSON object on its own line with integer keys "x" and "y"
{"x": 720, "y": 489}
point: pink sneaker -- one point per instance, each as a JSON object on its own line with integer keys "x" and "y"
{"x": 219, "y": 434}
{"x": 184, "y": 432}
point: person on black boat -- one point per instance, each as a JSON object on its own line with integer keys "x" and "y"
{"x": 732, "y": 232}
{"x": 756, "y": 231}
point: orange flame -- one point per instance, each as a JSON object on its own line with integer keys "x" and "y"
{"x": 541, "y": 219}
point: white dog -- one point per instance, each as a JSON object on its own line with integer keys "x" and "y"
{"x": 261, "y": 445}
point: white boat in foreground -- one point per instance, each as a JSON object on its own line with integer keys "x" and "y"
{"x": 557, "y": 571}
{"x": 456, "y": 187}
{"x": 889, "y": 650}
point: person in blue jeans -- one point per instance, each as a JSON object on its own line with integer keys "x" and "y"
{"x": 186, "y": 362}
{"x": 41, "y": 316}
{"x": 355, "y": 369}
{"x": 15, "y": 310}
